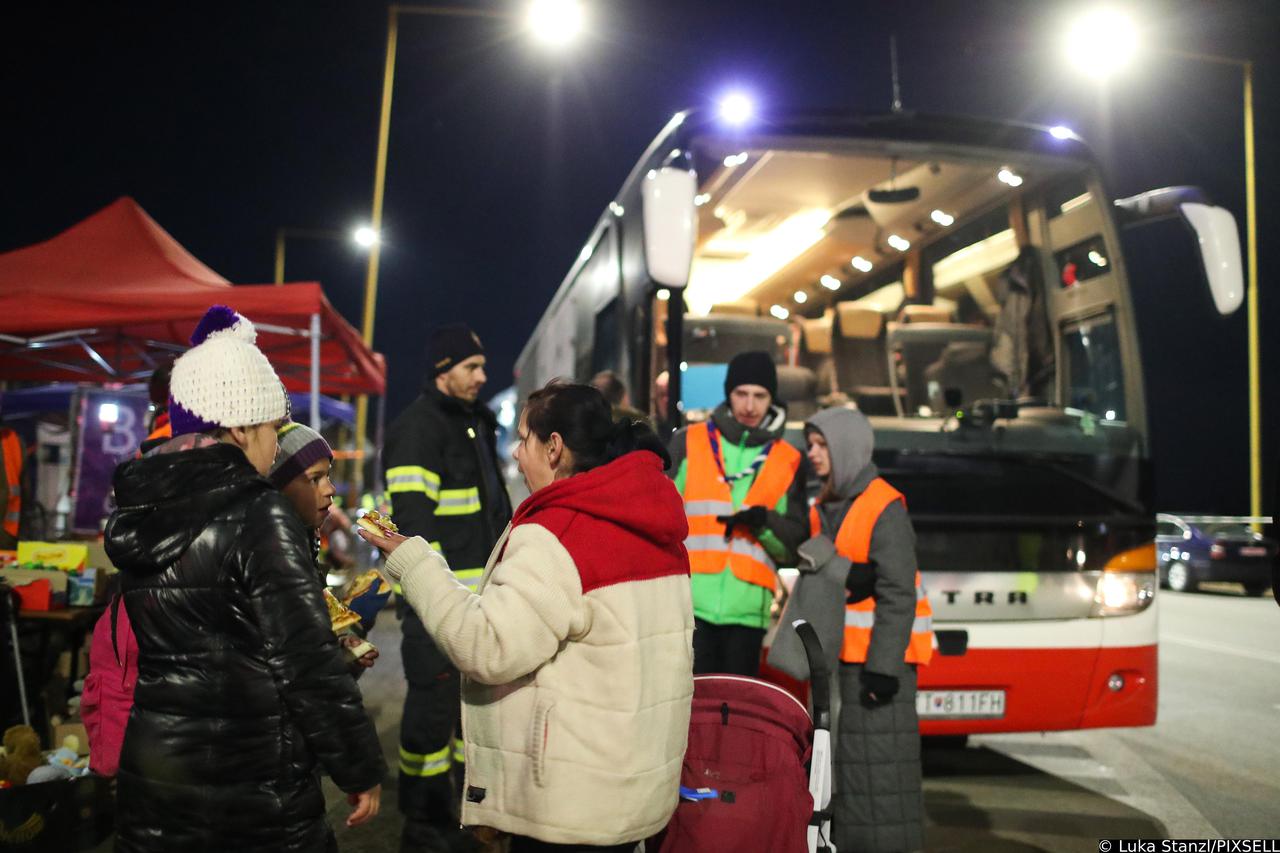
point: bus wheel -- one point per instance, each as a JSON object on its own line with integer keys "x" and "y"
{"x": 1256, "y": 589}
{"x": 1179, "y": 578}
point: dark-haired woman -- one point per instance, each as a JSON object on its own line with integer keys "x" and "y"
{"x": 576, "y": 649}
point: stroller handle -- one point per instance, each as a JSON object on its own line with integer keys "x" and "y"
{"x": 819, "y": 677}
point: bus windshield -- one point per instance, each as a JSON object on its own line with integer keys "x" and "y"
{"x": 918, "y": 283}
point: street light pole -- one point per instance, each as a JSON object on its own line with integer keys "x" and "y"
{"x": 379, "y": 184}
{"x": 1251, "y": 227}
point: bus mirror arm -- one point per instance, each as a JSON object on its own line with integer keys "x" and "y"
{"x": 1214, "y": 229}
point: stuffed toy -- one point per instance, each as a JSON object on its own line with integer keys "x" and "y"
{"x": 21, "y": 754}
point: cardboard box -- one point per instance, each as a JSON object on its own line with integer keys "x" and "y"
{"x": 61, "y": 731}
{"x": 63, "y": 555}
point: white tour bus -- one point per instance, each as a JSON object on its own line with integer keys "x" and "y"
{"x": 961, "y": 282}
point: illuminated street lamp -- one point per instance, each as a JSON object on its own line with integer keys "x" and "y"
{"x": 553, "y": 22}
{"x": 1103, "y": 42}
{"x": 365, "y": 237}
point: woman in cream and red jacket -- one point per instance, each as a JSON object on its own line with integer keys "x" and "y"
{"x": 576, "y": 650}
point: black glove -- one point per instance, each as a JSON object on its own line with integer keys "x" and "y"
{"x": 877, "y": 689}
{"x": 861, "y": 582}
{"x": 752, "y": 518}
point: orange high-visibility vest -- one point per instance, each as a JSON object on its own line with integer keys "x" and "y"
{"x": 853, "y": 542}
{"x": 707, "y": 495}
{"x": 13, "y": 476}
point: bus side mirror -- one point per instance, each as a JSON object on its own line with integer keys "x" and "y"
{"x": 670, "y": 224}
{"x": 1219, "y": 242}
{"x": 1217, "y": 237}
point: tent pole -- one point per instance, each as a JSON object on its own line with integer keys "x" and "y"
{"x": 315, "y": 372}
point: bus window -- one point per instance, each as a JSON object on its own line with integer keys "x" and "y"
{"x": 1082, "y": 261}
{"x": 1094, "y": 377}
{"x": 606, "y": 345}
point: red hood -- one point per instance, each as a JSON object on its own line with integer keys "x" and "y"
{"x": 621, "y": 521}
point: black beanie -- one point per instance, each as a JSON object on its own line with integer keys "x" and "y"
{"x": 451, "y": 345}
{"x": 752, "y": 368}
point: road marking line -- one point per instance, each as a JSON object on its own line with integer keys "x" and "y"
{"x": 1146, "y": 790}
{"x": 1225, "y": 648}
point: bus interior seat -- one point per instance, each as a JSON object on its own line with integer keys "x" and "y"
{"x": 912, "y": 313}
{"x": 797, "y": 387}
{"x": 935, "y": 357}
{"x": 861, "y": 361}
{"x": 715, "y": 339}
{"x": 819, "y": 333}
{"x": 737, "y": 308}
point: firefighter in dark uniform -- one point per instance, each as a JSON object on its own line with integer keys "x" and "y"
{"x": 445, "y": 485}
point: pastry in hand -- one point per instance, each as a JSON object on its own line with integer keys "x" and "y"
{"x": 340, "y": 616}
{"x": 363, "y": 582}
{"x": 377, "y": 523}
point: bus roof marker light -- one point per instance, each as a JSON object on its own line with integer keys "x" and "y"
{"x": 365, "y": 237}
{"x": 779, "y": 312}
{"x": 736, "y": 109}
{"x": 861, "y": 264}
{"x": 555, "y": 23}
{"x": 800, "y": 297}
{"x": 1008, "y": 176}
{"x": 942, "y": 218}
{"x": 616, "y": 209}
{"x": 1061, "y": 131}
{"x": 830, "y": 282}
{"x": 899, "y": 243}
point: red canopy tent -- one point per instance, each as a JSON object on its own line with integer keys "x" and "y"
{"x": 109, "y": 297}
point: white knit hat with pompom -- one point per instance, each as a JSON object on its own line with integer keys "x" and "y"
{"x": 224, "y": 380}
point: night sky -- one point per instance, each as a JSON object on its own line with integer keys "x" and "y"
{"x": 226, "y": 121}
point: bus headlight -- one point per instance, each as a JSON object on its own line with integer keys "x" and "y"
{"x": 1122, "y": 593}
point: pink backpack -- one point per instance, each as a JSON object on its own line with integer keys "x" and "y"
{"x": 108, "y": 688}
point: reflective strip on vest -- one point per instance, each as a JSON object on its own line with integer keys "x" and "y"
{"x": 712, "y": 508}
{"x": 459, "y": 753}
{"x": 430, "y": 764}
{"x": 853, "y": 541}
{"x": 470, "y": 578}
{"x": 707, "y": 495}
{"x": 458, "y": 501}
{"x": 13, "y": 477}
{"x": 413, "y": 478}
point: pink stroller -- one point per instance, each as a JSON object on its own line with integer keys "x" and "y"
{"x": 757, "y": 771}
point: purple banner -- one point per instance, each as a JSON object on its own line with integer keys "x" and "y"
{"x": 112, "y": 426}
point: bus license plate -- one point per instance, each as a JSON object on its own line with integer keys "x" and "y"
{"x": 960, "y": 704}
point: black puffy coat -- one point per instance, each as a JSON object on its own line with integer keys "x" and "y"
{"x": 242, "y": 693}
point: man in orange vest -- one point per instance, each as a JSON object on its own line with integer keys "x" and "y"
{"x": 860, "y": 531}
{"x": 158, "y": 387}
{"x": 744, "y": 494}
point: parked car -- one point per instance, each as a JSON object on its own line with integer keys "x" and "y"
{"x": 1194, "y": 549}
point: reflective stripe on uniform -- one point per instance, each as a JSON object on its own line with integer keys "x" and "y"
{"x": 470, "y": 578}
{"x": 709, "y": 508}
{"x": 867, "y": 619}
{"x": 413, "y": 478}
{"x": 458, "y": 501}
{"x": 431, "y": 764}
{"x": 459, "y": 753}
{"x": 745, "y": 547}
